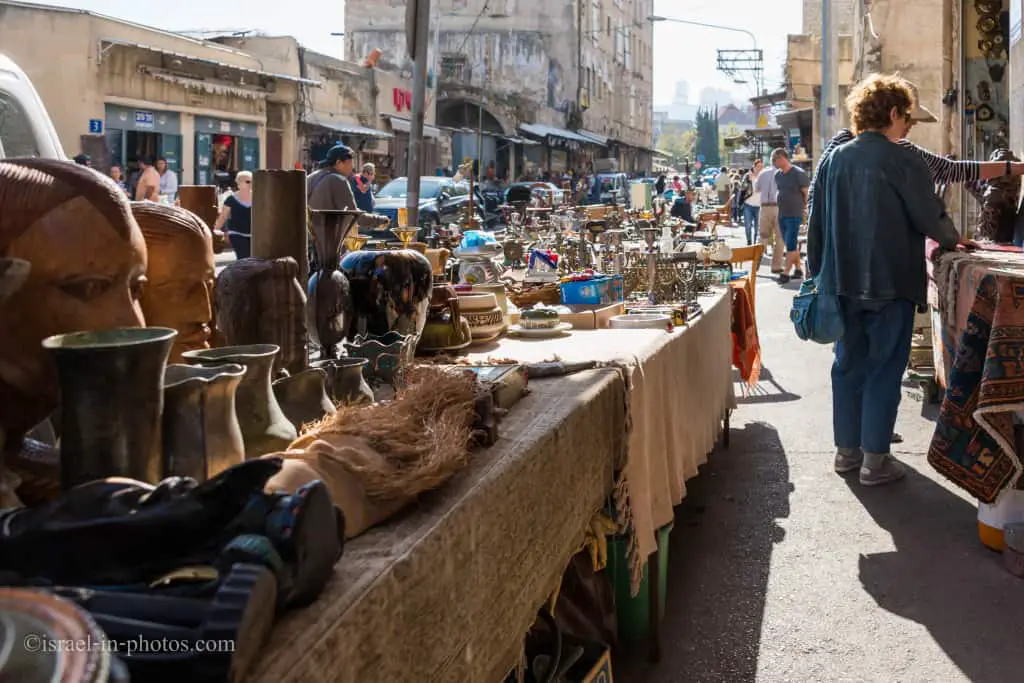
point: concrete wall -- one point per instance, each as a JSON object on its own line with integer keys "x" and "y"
{"x": 911, "y": 36}
{"x": 1016, "y": 78}
{"x": 843, "y": 16}
{"x": 76, "y": 79}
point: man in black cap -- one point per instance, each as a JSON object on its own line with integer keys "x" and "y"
{"x": 83, "y": 160}
{"x": 329, "y": 189}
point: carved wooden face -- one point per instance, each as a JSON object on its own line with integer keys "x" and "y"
{"x": 85, "y": 275}
{"x": 179, "y": 292}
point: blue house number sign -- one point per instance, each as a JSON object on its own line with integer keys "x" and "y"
{"x": 95, "y": 126}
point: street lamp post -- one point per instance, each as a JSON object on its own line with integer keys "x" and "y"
{"x": 656, "y": 19}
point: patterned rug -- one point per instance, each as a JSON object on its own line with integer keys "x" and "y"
{"x": 973, "y": 445}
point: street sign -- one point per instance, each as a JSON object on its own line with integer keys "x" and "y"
{"x": 145, "y": 120}
{"x": 700, "y": 158}
{"x": 95, "y": 126}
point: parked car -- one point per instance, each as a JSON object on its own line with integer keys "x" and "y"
{"x": 25, "y": 127}
{"x": 524, "y": 191}
{"x": 609, "y": 185}
{"x": 442, "y": 201}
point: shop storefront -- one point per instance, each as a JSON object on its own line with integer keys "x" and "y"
{"x": 223, "y": 148}
{"x": 134, "y": 134}
{"x": 560, "y": 151}
{"x": 400, "y": 147}
{"x": 321, "y": 132}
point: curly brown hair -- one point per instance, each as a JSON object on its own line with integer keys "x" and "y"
{"x": 871, "y": 100}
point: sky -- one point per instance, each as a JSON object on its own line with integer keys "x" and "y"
{"x": 681, "y": 52}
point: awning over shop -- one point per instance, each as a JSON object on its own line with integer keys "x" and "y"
{"x": 347, "y": 128}
{"x": 796, "y": 118}
{"x": 601, "y": 140}
{"x": 539, "y": 130}
{"x": 107, "y": 43}
{"x": 518, "y": 141}
{"x": 400, "y": 125}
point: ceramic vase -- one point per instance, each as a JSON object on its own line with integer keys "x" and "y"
{"x": 303, "y": 397}
{"x": 346, "y": 383}
{"x": 265, "y": 428}
{"x": 387, "y": 355}
{"x": 328, "y": 300}
{"x": 201, "y": 434}
{"x": 481, "y": 311}
{"x": 111, "y": 386}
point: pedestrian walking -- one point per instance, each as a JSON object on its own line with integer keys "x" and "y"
{"x": 768, "y": 217}
{"x": 751, "y": 202}
{"x": 793, "y": 185}
{"x": 236, "y": 216}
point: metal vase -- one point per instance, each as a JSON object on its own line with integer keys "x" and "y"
{"x": 328, "y": 297}
{"x": 303, "y": 397}
{"x": 111, "y": 385}
{"x": 201, "y": 434}
{"x": 265, "y": 428}
{"x": 345, "y": 381}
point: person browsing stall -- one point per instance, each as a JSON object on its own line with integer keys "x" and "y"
{"x": 794, "y": 186}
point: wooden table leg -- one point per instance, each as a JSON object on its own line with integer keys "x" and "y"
{"x": 654, "y": 606}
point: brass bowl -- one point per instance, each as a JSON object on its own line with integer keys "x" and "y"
{"x": 355, "y": 242}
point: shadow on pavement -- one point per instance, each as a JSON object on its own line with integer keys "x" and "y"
{"x": 941, "y": 577}
{"x": 767, "y": 390}
{"x": 719, "y": 558}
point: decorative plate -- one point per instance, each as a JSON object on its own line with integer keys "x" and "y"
{"x": 541, "y": 332}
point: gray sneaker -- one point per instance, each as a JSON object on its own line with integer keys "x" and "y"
{"x": 849, "y": 461}
{"x": 889, "y": 471}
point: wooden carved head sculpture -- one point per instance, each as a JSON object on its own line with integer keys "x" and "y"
{"x": 179, "y": 291}
{"x": 88, "y": 266}
{"x": 260, "y": 301}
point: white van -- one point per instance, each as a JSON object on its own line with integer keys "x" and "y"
{"x": 25, "y": 128}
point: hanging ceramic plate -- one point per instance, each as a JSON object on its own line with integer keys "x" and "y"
{"x": 988, "y": 24}
{"x": 985, "y": 113}
{"x": 987, "y": 6}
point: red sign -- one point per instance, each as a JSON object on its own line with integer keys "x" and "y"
{"x": 402, "y": 99}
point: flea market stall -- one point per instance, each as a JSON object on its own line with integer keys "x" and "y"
{"x": 348, "y": 464}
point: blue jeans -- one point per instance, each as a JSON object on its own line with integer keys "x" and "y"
{"x": 750, "y": 215}
{"x": 241, "y": 244}
{"x": 789, "y": 226}
{"x": 867, "y": 374}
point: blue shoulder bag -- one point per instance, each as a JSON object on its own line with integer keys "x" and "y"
{"x": 816, "y": 316}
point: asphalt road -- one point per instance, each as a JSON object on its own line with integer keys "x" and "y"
{"x": 782, "y": 571}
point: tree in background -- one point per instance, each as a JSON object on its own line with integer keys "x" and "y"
{"x": 707, "y": 136}
{"x": 678, "y": 143}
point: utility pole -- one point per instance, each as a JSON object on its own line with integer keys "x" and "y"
{"x": 828, "y": 101}
{"x": 417, "y": 30}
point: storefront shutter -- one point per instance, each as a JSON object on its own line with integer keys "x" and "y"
{"x": 203, "y": 162}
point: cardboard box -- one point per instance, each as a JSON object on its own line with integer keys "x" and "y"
{"x": 597, "y": 291}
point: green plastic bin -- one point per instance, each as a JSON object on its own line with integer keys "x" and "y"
{"x": 633, "y": 613}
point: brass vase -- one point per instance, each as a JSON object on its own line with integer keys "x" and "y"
{"x": 111, "y": 386}
{"x": 201, "y": 434}
{"x": 265, "y": 428}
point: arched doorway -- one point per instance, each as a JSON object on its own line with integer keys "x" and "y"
{"x": 478, "y": 135}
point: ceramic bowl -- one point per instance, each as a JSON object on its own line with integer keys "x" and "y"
{"x": 639, "y": 321}
{"x": 481, "y": 311}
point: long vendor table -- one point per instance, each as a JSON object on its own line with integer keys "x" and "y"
{"x": 446, "y": 591}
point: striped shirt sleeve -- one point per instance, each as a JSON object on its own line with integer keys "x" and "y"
{"x": 943, "y": 170}
{"x": 946, "y": 170}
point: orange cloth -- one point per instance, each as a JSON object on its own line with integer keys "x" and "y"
{"x": 746, "y": 347}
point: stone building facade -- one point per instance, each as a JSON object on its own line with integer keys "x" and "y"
{"x": 119, "y": 92}
{"x": 363, "y": 107}
{"x": 525, "y": 84}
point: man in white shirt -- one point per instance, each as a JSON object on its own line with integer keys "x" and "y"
{"x": 168, "y": 180}
{"x": 768, "y": 217}
{"x": 723, "y": 184}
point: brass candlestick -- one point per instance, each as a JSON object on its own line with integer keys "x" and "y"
{"x": 355, "y": 242}
{"x": 406, "y": 235}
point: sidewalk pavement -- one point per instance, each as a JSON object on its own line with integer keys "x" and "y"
{"x": 781, "y": 570}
